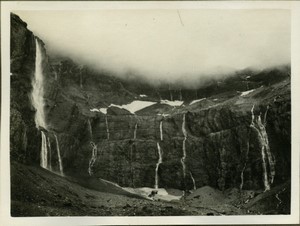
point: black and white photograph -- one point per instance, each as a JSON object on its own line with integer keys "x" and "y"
{"x": 149, "y": 111}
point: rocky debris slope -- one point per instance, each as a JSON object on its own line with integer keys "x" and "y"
{"x": 236, "y": 133}
{"x": 46, "y": 194}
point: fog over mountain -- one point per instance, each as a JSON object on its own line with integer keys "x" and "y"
{"x": 165, "y": 45}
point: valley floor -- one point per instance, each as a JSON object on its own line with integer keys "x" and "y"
{"x": 38, "y": 192}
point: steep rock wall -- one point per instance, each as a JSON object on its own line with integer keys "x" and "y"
{"x": 23, "y": 135}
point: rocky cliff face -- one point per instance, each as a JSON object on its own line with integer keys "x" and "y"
{"x": 23, "y": 134}
{"x": 237, "y": 135}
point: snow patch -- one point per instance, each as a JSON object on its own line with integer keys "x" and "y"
{"x": 247, "y": 92}
{"x": 172, "y": 103}
{"x": 196, "y": 101}
{"x": 95, "y": 110}
{"x": 158, "y": 194}
{"x": 103, "y": 110}
{"x": 163, "y": 114}
{"x": 248, "y": 77}
{"x": 143, "y": 95}
{"x": 134, "y": 106}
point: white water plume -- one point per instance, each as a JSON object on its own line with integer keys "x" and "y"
{"x": 37, "y": 94}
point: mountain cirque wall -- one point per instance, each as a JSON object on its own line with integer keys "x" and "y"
{"x": 229, "y": 135}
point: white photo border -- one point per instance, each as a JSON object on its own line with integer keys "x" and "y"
{"x": 7, "y": 7}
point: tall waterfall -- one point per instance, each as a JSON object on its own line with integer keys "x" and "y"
{"x": 37, "y": 95}
{"x": 93, "y": 158}
{"x": 37, "y": 100}
{"x": 194, "y": 182}
{"x": 135, "y": 129}
{"x": 44, "y": 152}
{"x": 157, "y": 165}
{"x": 107, "y": 128}
{"x": 161, "y": 130}
{"x": 268, "y": 161}
{"x": 61, "y": 170}
{"x": 184, "y": 147}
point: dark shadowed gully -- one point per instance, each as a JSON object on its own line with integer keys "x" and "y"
{"x": 91, "y": 144}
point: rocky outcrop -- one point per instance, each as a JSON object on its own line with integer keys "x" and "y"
{"x": 223, "y": 150}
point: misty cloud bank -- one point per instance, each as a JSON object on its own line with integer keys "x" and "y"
{"x": 165, "y": 45}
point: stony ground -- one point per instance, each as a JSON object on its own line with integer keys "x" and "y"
{"x": 37, "y": 192}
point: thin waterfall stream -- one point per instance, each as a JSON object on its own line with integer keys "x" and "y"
{"x": 266, "y": 155}
{"x": 61, "y": 169}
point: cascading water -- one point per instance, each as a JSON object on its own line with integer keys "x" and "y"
{"x": 161, "y": 130}
{"x": 107, "y": 128}
{"x": 61, "y": 170}
{"x": 157, "y": 165}
{"x": 44, "y": 152}
{"x": 242, "y": 177}
{"x": 37, "y": 100}
{"x": 194, "y": 182}
{"x": 81, "y": 86}
{"x": 93, "y": 158}
{"x": 90, "y": 128}
{"x": 180, "y": 95}
{"x": 50, "y": 154}
{"x": 37, "y": 95}
{"x": 184, "y": 147}
{"x": 252, "y": 115}
{"x": 267, "y": 157}
{"x": 266, "y": 146}
{"x": 170, "y": 91}
{"x": 135, "y": 130}
{"x": 265, "y": 116}
{"x": 244, "y": 167}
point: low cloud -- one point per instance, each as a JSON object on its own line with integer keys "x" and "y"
{"x": 166, "y": 45}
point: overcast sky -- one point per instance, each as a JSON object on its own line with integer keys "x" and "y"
{"x": 166, "y": 44}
